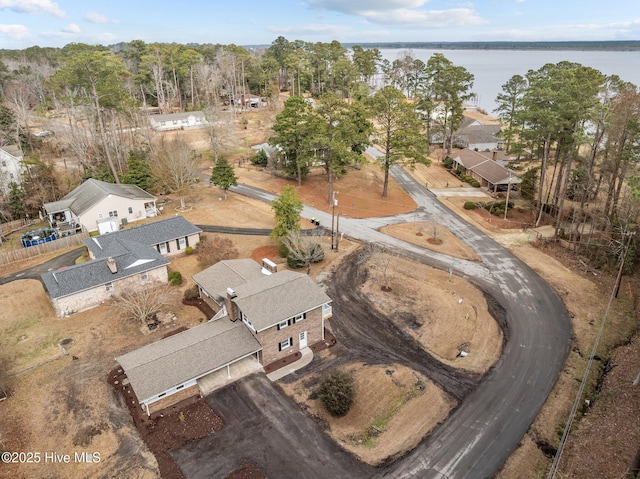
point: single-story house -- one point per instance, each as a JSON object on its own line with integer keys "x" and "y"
{"x": 87, "y": 285}
{"x": 120, "y": 261}
{"x": 488, "y": 172}
{"x": 11, "y": 167}
{"x": 168, "y": 237}
{"x": 178, "y": 121}
{"x": 262, "y": 313}
{"x": 167, "y": 371}
{"x": 100, "y": 206}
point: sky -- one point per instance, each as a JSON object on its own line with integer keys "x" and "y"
{"x": 48, "y": 23}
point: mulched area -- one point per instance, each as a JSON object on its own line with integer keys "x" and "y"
{"x": 329, "y": 340}
{"x": 201, "y": 305}
{"x": 169, "y": 429}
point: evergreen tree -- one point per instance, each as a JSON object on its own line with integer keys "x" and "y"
{"x": 138, "y": 170}
{"x": 16, "y": 200}
{"x": 223, "y": 176}
{"x": 287, "y": 208}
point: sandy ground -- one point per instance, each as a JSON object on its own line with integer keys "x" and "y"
{"x": 66, "y": 405}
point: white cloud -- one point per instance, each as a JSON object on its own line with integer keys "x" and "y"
{"x": 402, "y": 13}
{"x": 455, "y": 17}
{"x": 17, "y": 32}
{"x": 71, "y": 28}
{"x": 95, "y": 17}
{"x": 32, "y": 7}
{"x": 356, "y": 7}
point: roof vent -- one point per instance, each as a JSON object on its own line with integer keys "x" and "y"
{"x": 111, "y": 263}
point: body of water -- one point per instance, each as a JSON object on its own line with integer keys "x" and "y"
{"x": 493, "y": 68}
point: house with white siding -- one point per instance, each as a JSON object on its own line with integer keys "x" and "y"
{"x": 11, "y": 168}
{"x": 100, "y": 206}
{"x": 178, "y": 121}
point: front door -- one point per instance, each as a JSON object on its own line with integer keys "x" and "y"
{"x": 303, "y": 339}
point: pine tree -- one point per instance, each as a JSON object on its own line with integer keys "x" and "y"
{"x": 223, "y": 176}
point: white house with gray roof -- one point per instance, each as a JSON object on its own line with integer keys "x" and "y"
{"x": 100, "y": 206}
{"x": 11, "y": 167}
{"x": 167, "y": 236}
{"x": 178, "y": 121}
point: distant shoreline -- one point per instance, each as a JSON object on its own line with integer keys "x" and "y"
{"x": 613, "y": 46}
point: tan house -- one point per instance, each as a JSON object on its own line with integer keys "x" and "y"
{"x": 11, "y": 168}
{"x": 262, "y": 314}
{"x": 100, "y": 206}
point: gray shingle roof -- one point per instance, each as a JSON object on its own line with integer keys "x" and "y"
{"x": 149, "y": 234}
{"x": 135, "y": 258}
{"x": 269, "y": 300}
{"x": 93, "y": 191}
{"x": 227, "y": 274}
{"x": 172, "y": 361}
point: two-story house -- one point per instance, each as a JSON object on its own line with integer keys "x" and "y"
{"x": 264, "y": 315}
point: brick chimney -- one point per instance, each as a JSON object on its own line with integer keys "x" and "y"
{"x": 269, "y": 266}
{"x": 494, "y": 156}
{"x": 111, "y": 263}
{"x": 232, "y": 308}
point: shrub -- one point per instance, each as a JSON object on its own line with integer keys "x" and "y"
{"x": 475, "y": 183}
{"x": 188, "y": 250}
{"x": 260, "y": 158}
{"x": 337, "y": 392}
{"x": 469, "y": 205}
{"x": 175, "y": 278}
{"x": 448, "y": 162}
{"x": 192, "y": 292}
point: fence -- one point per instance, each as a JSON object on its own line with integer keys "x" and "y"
{"x": 24, "y": 253}
{"x": 11, "y": 226}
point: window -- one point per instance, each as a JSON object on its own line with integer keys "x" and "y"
{"x": 287, "y": 343}
{"x": 162, "y": 123}
{"x": 283, "y": 324}
{"x": 182, "y": 243}
{"x": 109, "y": 287}
{"x": 113, "y": 214}
{"x": 246, "y": 321}
{"x": 100, "y": 215}
{"x": 299, "y": 317}
{"x": 130, "y": 210}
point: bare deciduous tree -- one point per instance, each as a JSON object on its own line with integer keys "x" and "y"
{"x": 214, "y": 248}
{"x": 139, "y": 304}
{"x": 382, "y": 258}
{"x": 175, "y": 167}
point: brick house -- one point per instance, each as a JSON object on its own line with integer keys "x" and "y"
{"x": 262, "y": 316}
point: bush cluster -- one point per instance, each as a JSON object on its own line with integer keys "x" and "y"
{"x": 192, "y": 292}
{"x": 175, "y": 278}
{"x": 470, "y": 205}
{"x": 337, "y": 392}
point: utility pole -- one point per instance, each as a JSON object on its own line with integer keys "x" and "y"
{"x": 334, "y": 204}
{"x": 337, "y": 230}
{"x": 506, "y": 205}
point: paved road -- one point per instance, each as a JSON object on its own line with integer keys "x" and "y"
{"x": 479, "y": 436}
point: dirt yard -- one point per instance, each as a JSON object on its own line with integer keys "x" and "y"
{"x": 65, "y": 405}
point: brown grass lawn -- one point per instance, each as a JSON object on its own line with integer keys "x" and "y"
{"x": 65, "y": 405}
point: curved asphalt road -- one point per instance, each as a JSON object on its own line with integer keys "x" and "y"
{"x": 479, "y": 436}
